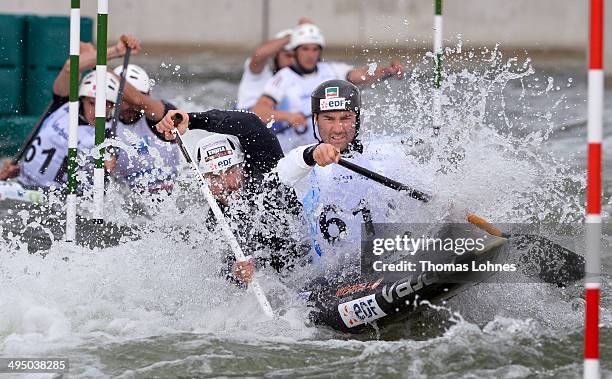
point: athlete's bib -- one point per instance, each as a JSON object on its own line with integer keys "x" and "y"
{"x": 147, "y": 161}
{"x": 45, "y": 161}
{"x": 336, "y": 205}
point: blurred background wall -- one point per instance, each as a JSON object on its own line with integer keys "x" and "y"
{"x": 544, "y": 25}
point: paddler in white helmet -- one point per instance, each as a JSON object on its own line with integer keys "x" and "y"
{"x": 237, "y": 161}
{"x": 254, "y": 149}
{"x": 258, "y": 70}
{"x": 295, "y": 83}
{"x": 45, "y": 160}
{"x": 221, "y": 161}
{"x": 146, "y": 160}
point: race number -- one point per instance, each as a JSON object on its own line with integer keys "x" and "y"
{"x": 333, "y": 228}
{"x": 48, "y": 154}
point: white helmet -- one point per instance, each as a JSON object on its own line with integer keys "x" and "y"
{"x": 218, "y": 152}
{"x": 306, "y": 33}
{"x": 283, "y": 34}
{"x": 136, "y": 76}
{"x": 88, "y": 86}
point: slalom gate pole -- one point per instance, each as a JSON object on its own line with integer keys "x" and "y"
{"x": 73, "y": 116}
{"x": 98, "y": 195}
{"x": 437, "y": 50}
{"x": 593, "y": 197}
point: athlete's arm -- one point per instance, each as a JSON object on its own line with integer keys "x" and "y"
{"x": 87, "y": 61}
{"x": 362, "y": 75}
{"x": 152, "y": 123}
{"x": 264, "y": 108}
{"x": 265, "y": 51}
{"x": 296, "y": 165}
{"x": 9, "y": 170}
{"x": 153, "y": 109}
{"x": 260, "y": 145}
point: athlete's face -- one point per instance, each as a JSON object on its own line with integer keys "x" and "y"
{"x": 308, "y": 55}
{"x": 130, "y": 113}
{"x": 226, "y": 185}
{"x": 89, "y": 109}
{"x": 337, "y": 128}
{"x": 284, "y": 58}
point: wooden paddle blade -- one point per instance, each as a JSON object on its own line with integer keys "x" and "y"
{"x": 548, "y": 261}
{"x": 485, "y": 225}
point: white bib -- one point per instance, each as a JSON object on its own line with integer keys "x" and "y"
{"x": 252, "y": 85}
{"x": 338, "y": 202}
{"x": 46, "y": 159}
{"x": 146, "y": 160}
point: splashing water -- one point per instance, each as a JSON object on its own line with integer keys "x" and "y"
{"x": 160, "y": 300}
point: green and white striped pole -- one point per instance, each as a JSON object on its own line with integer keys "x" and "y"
{"x": 73, "y": 116}
{"x": 98, "y": 194}
{"x": 437, "y": 105}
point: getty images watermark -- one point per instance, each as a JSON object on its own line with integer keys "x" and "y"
{"x": 461, "y": 252}
{"x": 458, "y": 246}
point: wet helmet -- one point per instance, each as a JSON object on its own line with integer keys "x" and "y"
{"x": 335, "y": 95}
{"x": 306, "y": 33}
{"x": 136, "y": 76}
{"x": 218, "y": 152}
{"x": 88, "y": 86}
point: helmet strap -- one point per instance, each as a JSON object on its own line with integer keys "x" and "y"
{"x": 315, "y": 126}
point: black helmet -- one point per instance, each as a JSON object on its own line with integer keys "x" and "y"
{"x": 336, "y": 95}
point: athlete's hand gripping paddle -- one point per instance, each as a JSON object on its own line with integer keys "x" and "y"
{"x": 236, "y": 249}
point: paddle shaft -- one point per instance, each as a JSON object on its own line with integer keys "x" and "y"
{"x": 415, "y": 194}
{"x": 117, "y": 110}
{"x": 236, "y": 249}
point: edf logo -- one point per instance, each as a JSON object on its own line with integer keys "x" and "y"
{"x": 328, "y": 104}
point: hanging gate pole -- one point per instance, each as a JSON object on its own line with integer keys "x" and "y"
{"x": 593, "y": 209}
{"x": 73, "y": 116}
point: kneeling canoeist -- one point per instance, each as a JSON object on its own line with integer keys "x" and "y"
{"x": 336, "y": 201}
{"x": 151, "y": 163}
{"x": 294, "y": 84}
{"x": 237, "y": 161}
{"x": 46, "y": 158}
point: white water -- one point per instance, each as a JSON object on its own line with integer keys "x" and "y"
{"x": 139, "y": 298}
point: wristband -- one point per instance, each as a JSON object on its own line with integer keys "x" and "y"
{"x": 309, "y": 155}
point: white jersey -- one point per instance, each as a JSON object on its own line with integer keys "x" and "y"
{"x": 144, "y": 160}
{"x": 287, "y": 85}
{"x": 45, "y": 162}
{"x": 336, "y": 201}
{"x": 251, "y": 85}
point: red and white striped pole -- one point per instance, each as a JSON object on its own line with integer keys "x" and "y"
{"x": 593, "y": 208}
